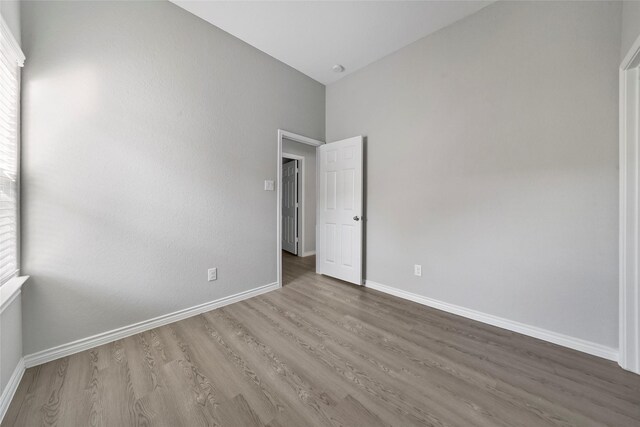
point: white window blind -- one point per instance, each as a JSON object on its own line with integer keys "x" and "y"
{"x": 11, "y": 59}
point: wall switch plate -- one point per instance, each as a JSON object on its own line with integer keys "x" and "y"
{"x": 417, "y": 270}
{"x": 268, "y": 185}
{"x": 212, "y": 274}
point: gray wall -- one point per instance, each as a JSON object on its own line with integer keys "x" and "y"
{"x": 11, "y": 317}
{"x": 630, "y": 25}
{"x": 147, "y": 135}
{"x": 10, "y": 11}
{"x": 10, "y": 340}
{"x": 309, "y": 154}
{"x": 492, "y": 161}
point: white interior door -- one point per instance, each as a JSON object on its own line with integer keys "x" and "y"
{"x": 290, "y": 206}
{"x": 339, "y": 231}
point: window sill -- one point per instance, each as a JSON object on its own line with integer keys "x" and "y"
{"x": 10, "y": 290}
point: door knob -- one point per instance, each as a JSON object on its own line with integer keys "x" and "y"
{"x": 356, "y": 218}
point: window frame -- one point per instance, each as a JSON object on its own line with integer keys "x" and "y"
{"x": 14, "y": 53}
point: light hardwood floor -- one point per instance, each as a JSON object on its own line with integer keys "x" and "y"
{"x": 320, "y": 352}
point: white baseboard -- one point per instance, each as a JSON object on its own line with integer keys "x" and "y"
{"x": 10, "y": 388}
{"x": 308, "y": 253}
{"x": 82, "y": 344}
{"x": 532, "y": 331}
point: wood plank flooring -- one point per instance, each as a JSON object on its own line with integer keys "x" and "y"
{"x": 320, "y": 352}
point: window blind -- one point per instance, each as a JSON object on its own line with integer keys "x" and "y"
{"x": 10, "y": 61}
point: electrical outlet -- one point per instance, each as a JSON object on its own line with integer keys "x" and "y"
{"x": 212, "y": 274}
{"x": 417, "y": 270}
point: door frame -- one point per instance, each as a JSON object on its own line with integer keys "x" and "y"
{"x": 629, "y": 241}
{"x": 282, "y": 134}
{"x": 300, "y": 210}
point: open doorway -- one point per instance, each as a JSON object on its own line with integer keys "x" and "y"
{"x": 296, "y": 207}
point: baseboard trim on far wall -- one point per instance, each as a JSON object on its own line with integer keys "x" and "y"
{"x": 532, "y": 331}
{"x": 10, "y": 388}
{"x": 126, "y": 331}
{"x": 308, "y": 253}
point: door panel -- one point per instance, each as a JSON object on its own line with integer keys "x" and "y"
{"x": 330, "y": 235}
{"x": 290, "y": 206}
{"x": 331, "y": 190}
{"x": 340, "y": 222}
{"x": 347, "y": 243}
{"x": 349, "y": 189}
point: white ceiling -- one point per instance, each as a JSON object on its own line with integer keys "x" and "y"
{"x": 312, "y": 36}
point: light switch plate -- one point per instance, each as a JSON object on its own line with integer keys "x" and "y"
{"x": 268, "y": 185}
